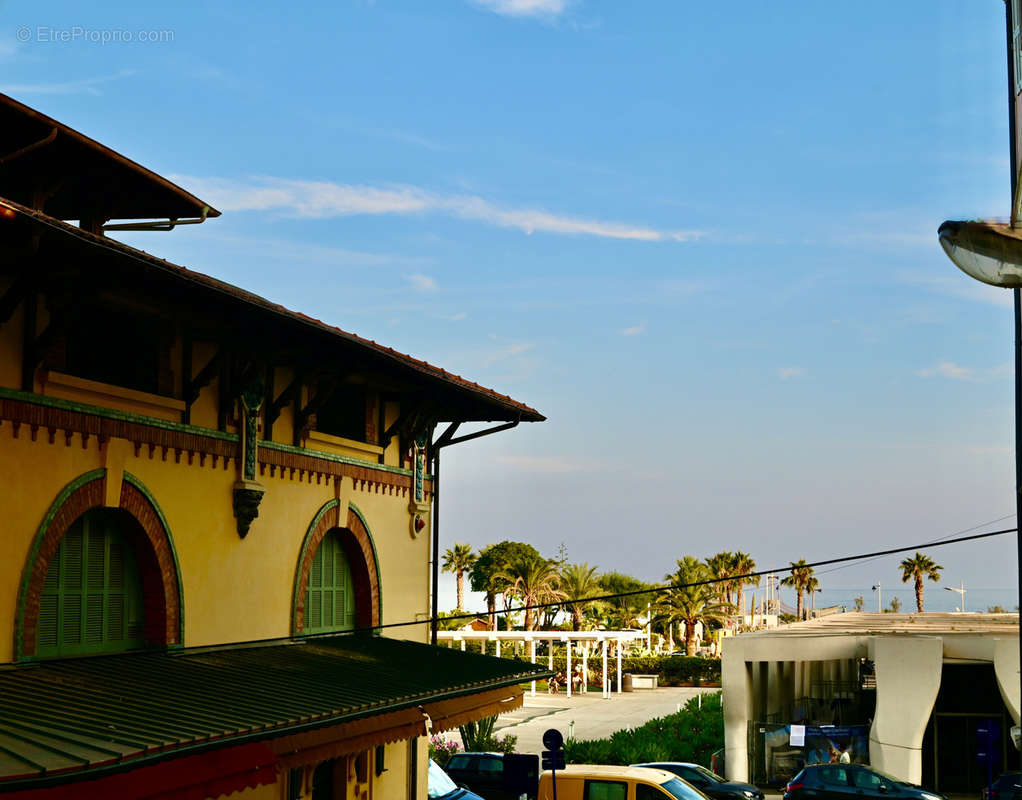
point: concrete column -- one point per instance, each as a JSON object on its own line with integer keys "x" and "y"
{"x": 1006, "y": 670}
{"x": 532, "y": 658}
{"x": 606, "y": 686}
{"x": 619, "y": 666}
{"x": 585, "y": 668}
{"x": 463, "y": 645}
{"x": 815, "y": 678}
{"x": 568, "y": 668}
{"x": 908, "y": 679}
{"x": 761, "y": 683}
{"x": 775, "y": 687}
{"x": 498, "y": 648}
{"x": 736, "y": 680}
{"x": 788, "y": 684}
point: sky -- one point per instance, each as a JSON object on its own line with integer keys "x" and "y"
{"x": 700, "y": 238}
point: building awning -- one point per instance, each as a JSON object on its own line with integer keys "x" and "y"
{"x": 92, "y": 176}
{"x": 266, "y": 325}
{"x": 301, "y": 700}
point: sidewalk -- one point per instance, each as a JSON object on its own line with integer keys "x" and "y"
{"x": 592, "y": 716}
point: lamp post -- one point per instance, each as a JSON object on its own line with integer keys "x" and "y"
{"x": 880, "y": 597}
{"x": 960, "y": 591}
{"x": 992, "y": 253}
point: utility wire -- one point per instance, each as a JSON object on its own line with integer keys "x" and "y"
{"x": 708, "y": 581}
{"x": 929, "y": 544}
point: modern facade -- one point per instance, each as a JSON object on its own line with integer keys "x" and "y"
{"x": 216, "y": 512}
{"x": 905, "y": 693}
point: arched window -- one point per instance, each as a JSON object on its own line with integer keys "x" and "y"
{"x": 91, "y": 600}
{"x": 330, "y": 604}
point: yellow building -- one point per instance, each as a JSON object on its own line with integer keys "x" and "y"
{"x": 213, "y": 509}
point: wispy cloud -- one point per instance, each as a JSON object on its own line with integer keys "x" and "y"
{"x": 457, "y": 317}
{"x": 956, "y": 372}
{"x": 787, "y": 373}
{"x": 549, "y": 464}
{"x": 947, "y": 369}
{"x": 82, "y": 86}
{"x": 635, "y": 330}
{"x": 509, "y": 351}
{"x": 325, "y": 199}
{"x": 422, "y": 283}
{"x": 525, "y": 8}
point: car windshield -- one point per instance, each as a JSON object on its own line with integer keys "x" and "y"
{"x": 678, "y": 788}
{"x": 710, "y": 776}
{"x": 440, "y": 783}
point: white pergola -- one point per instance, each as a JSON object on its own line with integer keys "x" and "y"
{"x": 604, "y": 638}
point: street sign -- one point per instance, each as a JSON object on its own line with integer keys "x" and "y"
{"x": 553, "y": 739}
{"x": 553, "y": 759}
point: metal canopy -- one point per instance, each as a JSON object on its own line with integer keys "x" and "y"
{"x": 76, "y": 715}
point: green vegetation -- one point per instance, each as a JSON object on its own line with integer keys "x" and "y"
{"x": 915, "y": 569}
{"x": 692, "y": 734}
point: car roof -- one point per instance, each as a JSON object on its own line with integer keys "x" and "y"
{"x": 613, "y": 771}
{"x": 478, "y": 753}
{"x": 672, "y": 763}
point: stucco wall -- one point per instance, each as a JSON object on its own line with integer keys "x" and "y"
{"x": 234, "y": 589}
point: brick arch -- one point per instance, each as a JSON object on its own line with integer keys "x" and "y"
{"x": 154, "y": 551}
{"x": 361, "y": 554}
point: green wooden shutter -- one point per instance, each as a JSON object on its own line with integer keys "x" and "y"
{"x": 92, "y": 596}
{"x": 330, "y": 604}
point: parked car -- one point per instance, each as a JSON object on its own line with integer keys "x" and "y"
{"x": 1007, "y": 786}
{"x": 482, "y": 773}
{"x": 842, "y": 781}
{"x": 707, "y": 782}
{"x": 439, "y": 786}
{"x": 587, "y": 781}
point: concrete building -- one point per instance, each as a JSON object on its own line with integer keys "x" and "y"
{"x": 910, "y": 689}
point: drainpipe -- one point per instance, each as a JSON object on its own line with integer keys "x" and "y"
{"x": 160, "y": 225}
{"x": 447, "y": 438}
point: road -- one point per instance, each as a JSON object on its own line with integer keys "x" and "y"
{"x": 590, "y": 716}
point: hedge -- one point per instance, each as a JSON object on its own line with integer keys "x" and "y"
{"x": 673, "y": 670}
{"x": 693, "y": 734}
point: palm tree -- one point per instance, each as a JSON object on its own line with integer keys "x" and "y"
{"x": 743, "y": 565}
{"x": 578, "y": 581}
{"x": 722, "y": 566}
{"x": 801, "y": 572}
{"x": 533, "y": 580}
{"x": 917, "y": 568}
{"x": 859, "y": 601}
{"x": 459, "y": 559}
{"x": 684, "y": 603}
{"x": 812, "y": 586}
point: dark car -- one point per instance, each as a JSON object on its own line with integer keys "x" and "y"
{"x": 483, "y": 773}
{"x": 1006, "y": 787}
{"x": 846, "y": 781}
{"x": 709, "y": 783}
{"x": 441, "y": 787}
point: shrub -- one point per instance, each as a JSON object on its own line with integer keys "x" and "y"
{"x": 441, "y": 749}
{"x": 692, "y": 734}
{"x": 673, "y": 670}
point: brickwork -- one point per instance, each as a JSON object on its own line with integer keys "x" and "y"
{"x": 358, "y": 548}
{"x": 153, "y": 549}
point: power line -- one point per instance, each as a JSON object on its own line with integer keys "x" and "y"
{"x": 707, "y": 582}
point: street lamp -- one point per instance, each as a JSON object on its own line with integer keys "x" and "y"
{"x": 961, "y": 593}
{"x": 992, "y": 253}
{"x": 880, "y": 595}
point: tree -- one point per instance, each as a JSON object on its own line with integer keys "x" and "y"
{"x": 722, "y": 566}
{"x": 812, "y": 586}
{"x": 623, "y": 612}
{"x": 895, "y": 606}
{"x": 801, "y": 572}
{"x": 743, "y": 565}
{"x": 916, "y": 568}
{"x": 860, "y": 603}
{"x": 492, "y": 561}
{"x": 459, "y": 559}
{"x": 533, "y": 580}
{"x": 689, "y": 605}
{"x": 577, "y": 582}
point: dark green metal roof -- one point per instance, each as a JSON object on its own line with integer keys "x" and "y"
{"x": 73, "y": 714}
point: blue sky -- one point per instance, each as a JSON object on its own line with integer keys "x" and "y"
{"x": 701, "y": 239}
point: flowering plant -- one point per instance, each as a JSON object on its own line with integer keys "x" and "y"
{"x": 441, "y": 749}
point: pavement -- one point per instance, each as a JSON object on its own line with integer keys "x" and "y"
{"x": 589, "y": 716}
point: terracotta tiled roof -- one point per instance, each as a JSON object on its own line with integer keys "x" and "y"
{"x": 512, "y": 408}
